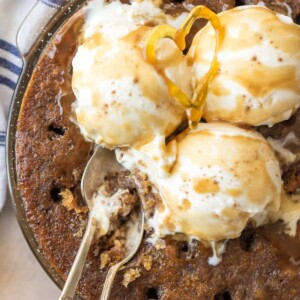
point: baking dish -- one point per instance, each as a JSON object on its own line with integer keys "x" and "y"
{"x": 32, "y": 39}
{"x": 35, "y": 58}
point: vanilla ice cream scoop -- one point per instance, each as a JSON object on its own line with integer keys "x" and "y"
{"x": 258, "y": 81}
{"x": 121, "y": 99}
{"x": 223, "y": 177}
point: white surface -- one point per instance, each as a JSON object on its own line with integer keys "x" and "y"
{"x": 21, "y": 276}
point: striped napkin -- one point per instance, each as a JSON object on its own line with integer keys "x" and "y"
{"x": 12, "y": 13}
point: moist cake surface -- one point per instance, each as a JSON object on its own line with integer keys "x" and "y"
{"x": 51, "y": 155}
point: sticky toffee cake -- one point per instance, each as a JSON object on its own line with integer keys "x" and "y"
{"x": 263, "y": 263}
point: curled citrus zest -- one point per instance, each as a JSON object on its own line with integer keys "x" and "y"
{"x": 156, "y": 34}
{"x": 195, "y": 105}
{"x": 200, "y": 93}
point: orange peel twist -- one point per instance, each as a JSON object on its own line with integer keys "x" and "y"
{"x": 156, "y": 34}
{"x": 195, "y": 105}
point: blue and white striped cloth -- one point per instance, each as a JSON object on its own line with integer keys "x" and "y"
{"x": 12, "y": 13}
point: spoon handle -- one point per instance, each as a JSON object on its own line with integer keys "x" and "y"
{"x": 109, "y": 281}
{"x": 69, "y": 289}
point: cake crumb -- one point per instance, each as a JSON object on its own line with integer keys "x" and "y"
{"x": 160, "y": 244}
{"x": 147, "y": 261}
{"x": 96, "y": 251}
{"x": 130, "y": 276}
{"x": 69, "y": 202}
{"x": 77, "y": 174}
{"x": 79, "y": 233}
{"x": 104, "y": 260}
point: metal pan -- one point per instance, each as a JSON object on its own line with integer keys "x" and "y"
{"x": 31, "y": 53}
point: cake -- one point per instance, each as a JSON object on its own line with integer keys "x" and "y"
{"x": 263, "y": 263}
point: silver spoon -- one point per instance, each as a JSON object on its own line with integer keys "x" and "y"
{"x": 101, "y": 163}
{"x": 131, "y": 248}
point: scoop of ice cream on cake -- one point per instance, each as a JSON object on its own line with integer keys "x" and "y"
{"x": 223, "y": 177}
{"x": 258, "y": 81}
{"x": 121, "y": 99}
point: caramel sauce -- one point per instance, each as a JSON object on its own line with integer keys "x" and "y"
{"x": 65, "y": 44}
{"x": 205, "y": 185}
{"x": 186, "y": 204}
{"x": 61, "y": 51}
{"x": 270, "y": 78}
{"x": 169, "y": 224}
{"x": 95, "y": 40}
{"x": 233, "y": 192}
{"x": 288, "y": 247}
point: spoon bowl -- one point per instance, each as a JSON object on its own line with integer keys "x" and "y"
{"x": 133, "y": 240}
{"x": 102, "y": 162}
